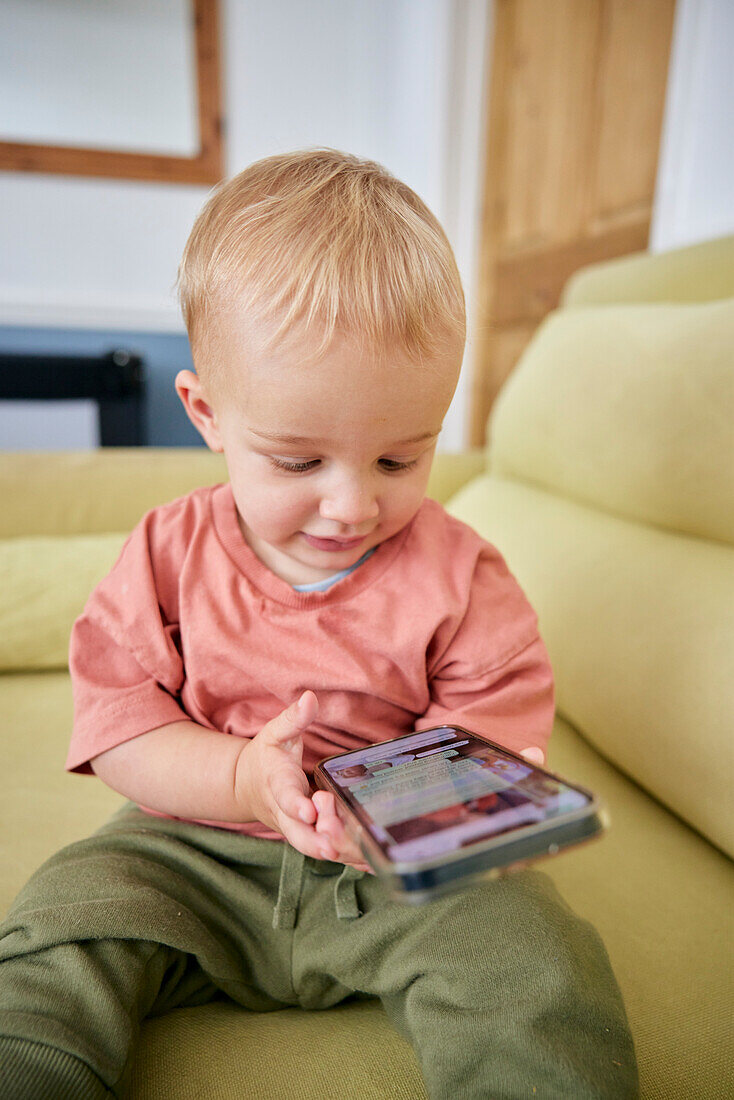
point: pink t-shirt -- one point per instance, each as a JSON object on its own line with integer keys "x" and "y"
{"x": 432, "y": 628}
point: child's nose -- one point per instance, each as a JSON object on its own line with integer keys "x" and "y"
{"x": 351, "y": 503}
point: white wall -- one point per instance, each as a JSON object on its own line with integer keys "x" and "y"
{"x": 396, "y": 80}
{"x": 694, "y": 199}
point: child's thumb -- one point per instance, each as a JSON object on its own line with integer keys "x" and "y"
{"x": 295, "y": 718}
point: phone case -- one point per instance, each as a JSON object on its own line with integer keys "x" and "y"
{"x": 419, "y": 881}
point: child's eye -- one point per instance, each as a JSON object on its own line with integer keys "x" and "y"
{"x": 294, "y": 467}
{"x": 393, "y": 465}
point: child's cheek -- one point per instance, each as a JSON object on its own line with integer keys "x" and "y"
{"x": 404, "y": 499}
{"x": 287, "y": 508}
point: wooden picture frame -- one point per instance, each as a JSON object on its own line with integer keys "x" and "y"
{"x": 205, "y": 167}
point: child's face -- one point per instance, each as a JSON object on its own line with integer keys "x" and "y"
{"x": 326, "y": 458}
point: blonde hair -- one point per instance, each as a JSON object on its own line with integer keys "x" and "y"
{"x": 329, "y": 240}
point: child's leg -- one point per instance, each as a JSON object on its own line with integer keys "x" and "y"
{"x": 69, "y": 1014}
{"x": 145, "y": 916}
{"x": 502, "y": 991}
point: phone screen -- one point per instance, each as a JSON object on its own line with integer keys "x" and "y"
{"x": 433, "y": 792}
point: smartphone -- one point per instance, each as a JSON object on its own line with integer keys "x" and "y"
{"x": 442, "y": 809}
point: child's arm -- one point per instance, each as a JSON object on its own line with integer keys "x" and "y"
{"x": 189, "y": 771}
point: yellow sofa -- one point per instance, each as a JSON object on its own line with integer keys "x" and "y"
{"x": 608, "y": 484}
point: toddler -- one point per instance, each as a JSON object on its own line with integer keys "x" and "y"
{"x": 316, "y": 602}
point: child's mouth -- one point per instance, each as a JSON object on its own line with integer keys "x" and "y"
{"x": 333, "y": 545}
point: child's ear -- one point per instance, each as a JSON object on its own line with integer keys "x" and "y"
{"x": 198, "y": 410}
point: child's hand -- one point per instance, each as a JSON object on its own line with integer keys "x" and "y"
{"x": 329, "y": 825}
{"x": 271, "y": 783}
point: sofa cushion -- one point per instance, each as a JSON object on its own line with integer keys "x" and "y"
{"x": 639, "y": 624}
{"x": 630, "y": 408}
{"x": 44, "y": 584}
{"x": 218, "y": 1050}
{"x": 42, "y": 807}
{"x": 661, "y": 898}
{"x": 348, "y": 1052}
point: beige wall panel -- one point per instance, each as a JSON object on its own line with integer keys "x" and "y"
{"x": 527, "y": 287}
{"x": 549, "y": 105}
{"x": 577, "y": 92}
{"x": 629, "y": 117}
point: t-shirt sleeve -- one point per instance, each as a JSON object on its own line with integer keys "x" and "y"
{"x": 492, "y": 674}
{"x": 124, "y": 654}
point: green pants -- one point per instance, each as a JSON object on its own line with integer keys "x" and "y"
{"x": 500, "y": 989}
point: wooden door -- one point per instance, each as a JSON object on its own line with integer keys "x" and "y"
{"x": 576, "y": 97}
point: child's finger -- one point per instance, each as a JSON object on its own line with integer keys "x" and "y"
{"x": 324, "y": 803}
{"x": 291, "y": 799}
{"x": 328, "y": 822}
{"x": 331, "y": 828}
{"x": 534, "y": 755}
{"x": 307, "y": 812}
{"x": 292, "y": 721}
{"x": 293, "y": 808}
{"x": 330, "y": 825}
{"x": 304, "y": 838}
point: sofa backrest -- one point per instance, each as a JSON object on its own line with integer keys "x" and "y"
{"x": 628, "y": 408}
{"x": 95, "y": 492}
{"x": 611, "y": 493}
{"x": 63, "y": 521}
{"x": 699, "y": 272}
